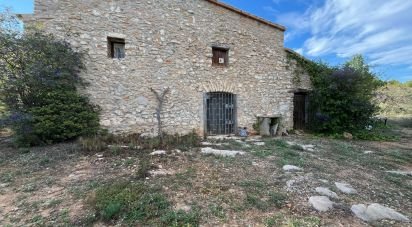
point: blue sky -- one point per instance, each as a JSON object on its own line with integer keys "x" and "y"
{"x": 333, "y": 30}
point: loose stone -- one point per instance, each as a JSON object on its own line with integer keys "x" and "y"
{"x": 159, "y": 152}
{"x": 327, "y": 192}
{"x": 345, "y": 188}
{"x": 291, "y": 168}
{"x": 376, "y": 212}
{"x": 321, "y": 203}
{"x": 225, "y": 153}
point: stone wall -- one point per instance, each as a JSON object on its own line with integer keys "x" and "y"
{"x": 169, "y": 44}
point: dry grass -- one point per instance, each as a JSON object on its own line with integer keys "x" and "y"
{"x": 52, "y": 185}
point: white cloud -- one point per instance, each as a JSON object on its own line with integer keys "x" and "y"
{"x": 379, "y": 29}
{"x": 299, "y": 51}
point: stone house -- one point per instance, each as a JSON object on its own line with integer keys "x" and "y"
{"x": 224, "y": 68}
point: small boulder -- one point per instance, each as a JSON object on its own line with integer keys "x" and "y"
{"x": 347, "y": 136}
{"x": 159, "y": 152}
{"x": 376, "y": 212}
{"x": 225, "y": 153}
{"x": 345, "y": 188}
{"x": 259, "y": 143}
{"x": 291, "y": 168}
{"x": 321, "y": 203}
{"x": 326, "y": 192}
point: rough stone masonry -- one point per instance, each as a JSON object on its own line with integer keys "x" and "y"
{"x": 168, "y": 43}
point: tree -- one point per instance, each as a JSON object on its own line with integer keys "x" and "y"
{"x": 39, "y": 77}
{"x": 160, "y": 101}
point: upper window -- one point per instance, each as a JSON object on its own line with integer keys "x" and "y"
{"x": 220, "y": 56}
{"x": 116, "y": 47}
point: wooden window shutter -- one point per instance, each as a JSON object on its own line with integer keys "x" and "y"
{"x": 220, "y": 56}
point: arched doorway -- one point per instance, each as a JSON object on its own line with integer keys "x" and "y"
{"x": 220, "y": 111}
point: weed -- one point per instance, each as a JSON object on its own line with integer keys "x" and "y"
{"x": 144, "y": 167}
{"x": 148, "y": 206}
{"x": 290, "y": 157}
{"x": 93, "y": 144}
{"x": 7, "y": 177}
{"x": 180, "y": 218}
{"x": 38, "y": 220}
{"x": 274, "y": 221}
{"x": 111, "y": 210}
{"x": 115, "y": 150}
{"x": 399, "y": 180}
{"x": 29, "y": 187}
{"x": 280, "y": 220}
{"x": 44, "y": 161}
{"x": 253, "y": 185}
{"x": 253, "y": 200}
{"x": 276, "y": 198}
{"x": 24, "y": 150}
{"x": 53, "y": 203}
{"x": 129, "y": 162}
{"x": 263, "y": 153}
{"x": 217, "y": 211}
{"x": 64, "y": 217}
{"x": 309, "y": 221}
{"x": 137, "y": 203}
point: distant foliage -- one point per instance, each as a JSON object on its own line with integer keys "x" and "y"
{"x": 342, "y": 97}
{"x": 395, "y": 99}
{"x": 39, "y": 80}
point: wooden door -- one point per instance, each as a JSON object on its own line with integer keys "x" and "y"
{"x": 299, "y": 111}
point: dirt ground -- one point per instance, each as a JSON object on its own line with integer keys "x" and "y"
{"x": 50, "y": 186}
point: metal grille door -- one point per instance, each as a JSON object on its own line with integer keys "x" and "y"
{"x": 220, "y": 113}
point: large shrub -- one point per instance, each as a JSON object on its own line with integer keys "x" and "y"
{"x": 343, "y": 97}
{"x": 343, "y": 100}
{"x": 39, "y": 81}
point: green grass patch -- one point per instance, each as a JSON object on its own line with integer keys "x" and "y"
{"x": 281, "y": 220}
{"x": 138, "y": 203}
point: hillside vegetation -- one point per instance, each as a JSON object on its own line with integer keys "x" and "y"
{"x": 396, "y": 99}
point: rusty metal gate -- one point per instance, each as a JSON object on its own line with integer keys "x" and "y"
{"x": 299, "y": 110}
{"x": 220, "y": 113}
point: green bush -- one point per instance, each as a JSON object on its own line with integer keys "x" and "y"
{"x": 62, "y": 115}
{"x": 38, "y": 84}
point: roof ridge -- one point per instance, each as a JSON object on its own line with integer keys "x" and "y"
{"x": 248, "y": 15}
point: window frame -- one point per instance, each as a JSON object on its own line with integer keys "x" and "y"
{"x": 111, "y": 42}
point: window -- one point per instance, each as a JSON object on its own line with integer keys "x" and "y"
{"x": 220, "y": 56}
{"x": 116, "y": 47}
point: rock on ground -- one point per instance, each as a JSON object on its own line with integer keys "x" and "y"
{"x": 345, "y": 188}
{"x": 161, "y": 172}
{"x": 326, "y": 192}
{"x": 225, "y": 153}
{"x": 321, "y": 203}
{"x": 404, "y": 173}
{"x": 159, "y": 152}
{"x": 259, "y": 143}
{"x": 376, "y": 212}
{"x": 291, "y": 168}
